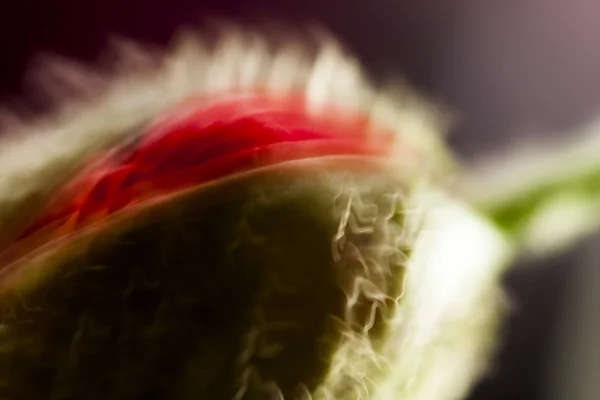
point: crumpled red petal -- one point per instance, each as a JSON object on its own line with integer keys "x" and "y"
{"x": 197, "y": 143}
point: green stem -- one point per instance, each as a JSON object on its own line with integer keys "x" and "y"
{"x": 542, "y": 199}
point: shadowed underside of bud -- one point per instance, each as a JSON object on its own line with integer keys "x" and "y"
{"x": 248, "y": 221}
{"x": 230, "y": 291}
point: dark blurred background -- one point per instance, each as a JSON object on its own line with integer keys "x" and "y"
{"x": 508, "y": 67}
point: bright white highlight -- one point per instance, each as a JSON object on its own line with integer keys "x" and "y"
{"x": 446, "y": 324}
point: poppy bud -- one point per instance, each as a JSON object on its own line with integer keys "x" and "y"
{"x": 244, "y": 221}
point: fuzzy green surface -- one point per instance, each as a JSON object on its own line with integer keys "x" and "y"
{"x": 229, "y": 290}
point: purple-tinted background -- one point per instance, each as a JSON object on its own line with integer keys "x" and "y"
{"x": 508, "y": 66}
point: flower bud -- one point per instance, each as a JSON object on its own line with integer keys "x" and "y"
{"x": 244, "y": 221}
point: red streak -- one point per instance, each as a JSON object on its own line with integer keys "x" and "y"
{"x": 195, "y": 144}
